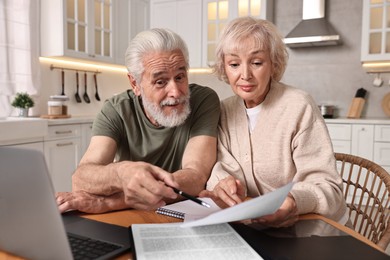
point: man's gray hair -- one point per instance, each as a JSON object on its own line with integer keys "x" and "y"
{"x": 149, "y": 42}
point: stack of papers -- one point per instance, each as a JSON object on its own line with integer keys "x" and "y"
{"x": 205, "y": 233}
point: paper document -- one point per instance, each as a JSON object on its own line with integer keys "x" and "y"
{"x": 170, "y": 241}
{"x": 260, "y": 206}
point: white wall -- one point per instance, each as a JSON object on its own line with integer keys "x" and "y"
{"x": 109, "y": 83}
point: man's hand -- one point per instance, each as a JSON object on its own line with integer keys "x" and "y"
{"x": 285, "y": 216}
{"x": 87, "y": 202}
{"x": 228, "y": 192}
{"x": 144, "y": 185}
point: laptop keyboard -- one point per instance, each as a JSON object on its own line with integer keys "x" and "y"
{"x": 87, "y": 248}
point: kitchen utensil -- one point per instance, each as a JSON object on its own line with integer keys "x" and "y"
{"x": 77, "y": 95}
{"x": 386, "y": 104}
{"x": 86, "y": 97}
{"x": 96, "y": 88}
{"x": 63, "y": 82}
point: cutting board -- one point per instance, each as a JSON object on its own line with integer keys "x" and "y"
{"x": 55, "y": 116}
{"x": 386, "y": 104}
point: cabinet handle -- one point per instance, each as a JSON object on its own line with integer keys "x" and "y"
{"x": 64, "y": 144}
{"x": 63, "y": 132}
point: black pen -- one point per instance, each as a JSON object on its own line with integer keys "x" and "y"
{"x": 188, "y": 196}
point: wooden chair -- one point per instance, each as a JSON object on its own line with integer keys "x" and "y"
{"x": 367, "y": 192}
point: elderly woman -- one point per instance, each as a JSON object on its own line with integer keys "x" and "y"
{"x": 270, "y": 133}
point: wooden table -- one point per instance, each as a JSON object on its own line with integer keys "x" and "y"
{"x": 128, "y": 217}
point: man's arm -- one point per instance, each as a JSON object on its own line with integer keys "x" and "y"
{"x": 198, "y": 160}
{"x": 96, "y": 171}
{"x": 99, "y": 181}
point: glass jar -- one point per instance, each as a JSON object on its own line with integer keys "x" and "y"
{"x": 54, "y": 108}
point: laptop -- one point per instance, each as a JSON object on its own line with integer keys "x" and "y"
{"x": 31, "y": 225}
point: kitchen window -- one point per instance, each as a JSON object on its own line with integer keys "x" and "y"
{"x": 19, "y": 50}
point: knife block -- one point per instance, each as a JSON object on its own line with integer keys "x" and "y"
{"x": 356, "y": 107}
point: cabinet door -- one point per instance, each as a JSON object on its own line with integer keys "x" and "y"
{"x": 363, "y": 141}
{"x": 62, "y": 158}
{"x": 82, "y": 29}
{"x": 216, "y": 13}
{"x": 375, "y": 31}
{"x": 132, "y": 17}
{"x": 86, "y": 134}
{"x": 340, "y": 134}
{"x": 183, "y": 17}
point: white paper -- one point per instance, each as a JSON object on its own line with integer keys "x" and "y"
{"x": 170, "y": 242}
{"x": 253, "y": 208}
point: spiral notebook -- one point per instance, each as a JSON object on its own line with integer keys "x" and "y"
{"x": 188, "y": 210}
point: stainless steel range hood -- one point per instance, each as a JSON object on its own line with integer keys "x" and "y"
{"x": 314, "y": 29}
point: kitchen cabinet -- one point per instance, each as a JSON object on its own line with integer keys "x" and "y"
{"x": 364, "y": 138}
{"x": 216, "y": 13}
{"x": 86, "y": 134}
{"x": 81, "y": 29}
{"x": 382, "y": 146}
{"x": 94, "y": 30}
{"x": 183, "y": 17}
{"x": 133, "y": 17}
{"x": 62, "y": 147}
{"x": 375, "y": 31}
{"x": 199, "y": 22}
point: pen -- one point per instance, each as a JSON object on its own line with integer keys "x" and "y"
{"x": 188, "y": 196}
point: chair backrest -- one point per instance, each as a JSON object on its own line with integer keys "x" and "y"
{"x": 367, "y": 191}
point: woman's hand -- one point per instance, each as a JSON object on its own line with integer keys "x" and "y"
{"x": 228, "y": 192}
{"x": 285, "y": 216}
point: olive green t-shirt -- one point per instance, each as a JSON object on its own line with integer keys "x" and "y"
{"x": 123, "y": 119}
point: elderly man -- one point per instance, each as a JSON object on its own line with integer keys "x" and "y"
{"x": 160, "y": 133}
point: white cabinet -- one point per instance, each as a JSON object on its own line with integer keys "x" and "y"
{"x": 132, "y": 18}
{"x": 382, "y": 146}
{"x": 82, "y": 29}
{"x": 94, "y": 30}
{"x": 340, "y": 134}
{"x": 375, "y": 31}
{"x": 364, "y": 139}
{"x": 216, "y": 13}
{"x": 62, "y": 148}
{"x": 183, "y": 17}
{"x": 86, "y": 134}
{"x": 199, "y": 22}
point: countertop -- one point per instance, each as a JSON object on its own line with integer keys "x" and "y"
{"x": 14, "y": 128}
{"x": 31, "y": 129}
{"x": 340, "y": 120}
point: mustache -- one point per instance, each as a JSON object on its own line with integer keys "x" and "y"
{"x": 174, "y": 101}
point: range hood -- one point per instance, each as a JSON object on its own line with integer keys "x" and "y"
{"x": 314, "y": 29}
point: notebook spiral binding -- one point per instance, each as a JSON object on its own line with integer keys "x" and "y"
{"x": 171, "y": 213}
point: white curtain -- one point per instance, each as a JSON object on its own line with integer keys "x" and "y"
{"x": 19, "y": 50}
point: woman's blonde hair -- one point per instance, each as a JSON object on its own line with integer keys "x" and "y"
{"x": 265, "y": 35}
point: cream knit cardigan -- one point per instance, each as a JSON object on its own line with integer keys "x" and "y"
{"x": 290, "y": 142}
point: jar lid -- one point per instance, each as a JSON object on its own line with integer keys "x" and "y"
{"x": 54, "y": 103}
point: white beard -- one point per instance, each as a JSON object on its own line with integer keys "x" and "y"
{"x": 157, "y": 113}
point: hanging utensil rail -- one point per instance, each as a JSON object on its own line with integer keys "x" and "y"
{"x": 52, "y": 67}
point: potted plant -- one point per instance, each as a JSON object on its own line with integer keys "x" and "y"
{"x": 23, "y": 101}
